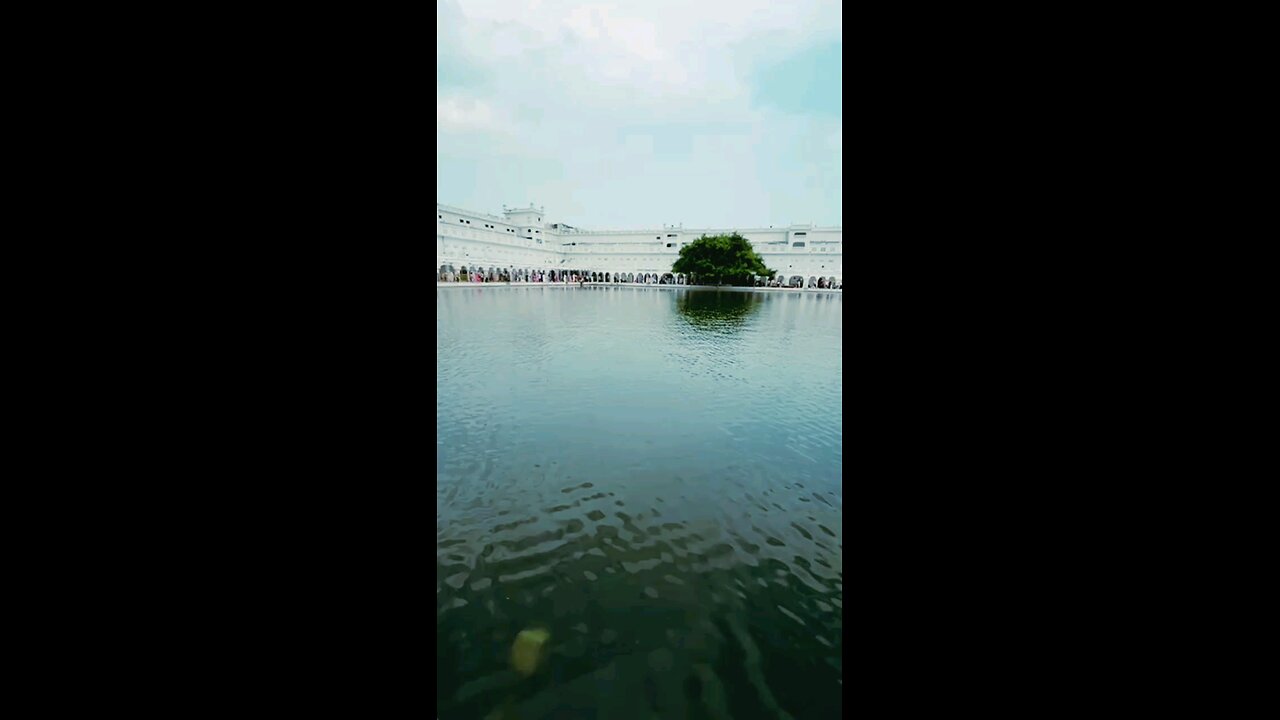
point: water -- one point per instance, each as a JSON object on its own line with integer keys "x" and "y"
{"x": 652, "y": 476}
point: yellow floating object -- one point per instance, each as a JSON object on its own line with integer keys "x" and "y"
{"x": 526, "y": 652}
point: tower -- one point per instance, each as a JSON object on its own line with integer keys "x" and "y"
{"x": 525, "y": 217}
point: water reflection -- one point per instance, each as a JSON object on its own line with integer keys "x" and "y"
{"x": 648, "y": 480}
{"x": 717, "y": 310}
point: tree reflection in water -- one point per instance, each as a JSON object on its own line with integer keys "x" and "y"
{"x": 717, "y": 309}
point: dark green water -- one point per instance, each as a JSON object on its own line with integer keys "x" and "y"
{"x": 654, "y": 477}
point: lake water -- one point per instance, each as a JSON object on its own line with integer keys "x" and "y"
{"x": 653, "y": 478}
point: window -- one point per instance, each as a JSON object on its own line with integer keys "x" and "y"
{"x": 671, "y": 244}
{"x": 671, "y": 234}
{"x": 800, "y": 234}
{"x": 798, "y": 244}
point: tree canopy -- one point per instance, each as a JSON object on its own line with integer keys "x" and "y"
{"x": 721, "y": 258}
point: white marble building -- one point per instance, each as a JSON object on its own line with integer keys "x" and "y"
{"x": 522, "y": 241}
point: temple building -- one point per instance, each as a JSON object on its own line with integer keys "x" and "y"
{"x": 521, "y": 242}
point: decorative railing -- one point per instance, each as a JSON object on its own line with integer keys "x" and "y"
{"x": 460, "y": 211}
{"x": 658, "y": 231}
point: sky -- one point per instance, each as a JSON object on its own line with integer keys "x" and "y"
{"x": 629, "y": 115}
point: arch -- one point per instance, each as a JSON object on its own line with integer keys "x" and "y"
{"x": 667, "y": 279}
{"x": 813, "y": 282}
{"x": 631, "y": 277}
{"x": 795, "y": 281}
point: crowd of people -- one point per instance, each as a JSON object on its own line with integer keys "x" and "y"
{"x": 569, "y": 277}
{"x": 778, "y": 282}
{"x": 543, "y": 276}
{"x": 503, "y": 276}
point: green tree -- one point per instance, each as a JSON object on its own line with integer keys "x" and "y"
{"x": 721, "y": 258}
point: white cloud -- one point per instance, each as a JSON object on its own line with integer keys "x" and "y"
{"x": 458, "y": 113}
{"x": 581, "y": 100}
{"x": 658, "y": 50}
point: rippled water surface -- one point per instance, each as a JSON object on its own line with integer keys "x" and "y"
{"x": 652, "y": 477}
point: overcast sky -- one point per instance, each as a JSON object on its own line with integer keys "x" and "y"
{"x": 713, "y": 113}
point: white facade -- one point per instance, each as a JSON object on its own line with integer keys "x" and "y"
{"x": 522, "y": 240}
